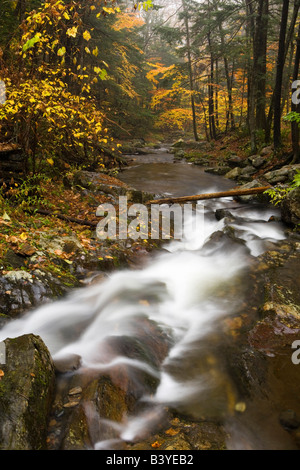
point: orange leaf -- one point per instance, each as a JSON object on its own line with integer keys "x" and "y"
{"x": 171, "y": 432}
{"x": 155, "y": 445}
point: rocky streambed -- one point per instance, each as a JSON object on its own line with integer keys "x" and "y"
{"x": 53, "y": 403}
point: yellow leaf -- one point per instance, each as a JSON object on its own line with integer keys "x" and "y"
{"x": 23, "y": 236}
{"x": 108, "y": 10}
{"x": 61, "y": 51}
{"x": 72, "y": 32}
{"x": 66, "y": 15}
{"x": 50, "y": 161}
{"x": 86, "y": 35}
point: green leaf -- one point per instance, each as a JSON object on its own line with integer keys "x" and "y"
{"x": 31, "y": 42}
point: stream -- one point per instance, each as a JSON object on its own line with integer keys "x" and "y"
{"x": 185, "y": 295}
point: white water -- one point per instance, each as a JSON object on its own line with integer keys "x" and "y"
{"x": 178, "y": 290}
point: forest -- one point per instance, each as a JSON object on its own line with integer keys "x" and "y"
{"x": 81, "y": 77}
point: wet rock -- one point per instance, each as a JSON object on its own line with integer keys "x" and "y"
{"x": 236, "y": 161}
{"x": 179, "y": 154}
{"x": 68, "y": 363}
{"x": 234, "y": 174}
{"x": 277, "y": 176}
{"x": 263, "y": 370}
{"x": 14, "y": 260}
{"x": 89, "y": 400}
{"x": 257, "y": 161}
{"x": 248, "y": 171}
{"x": 290, "y": 208}
{"x": 289, "y": 419}
{"x": 140, "y": 197}
{"x": 222, "y": 213}
{"x": 282, "y": 175}
{"x": 178, "y": 144}
{"x": 182, "y": 434}
{"x": 26, "y": 394}
{"x": 218, "y": 170}
{"x": 21, "y": 291}
{"x": 254, "y": 197}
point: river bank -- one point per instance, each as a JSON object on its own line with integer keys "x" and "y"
{"x": 258, "y": 340}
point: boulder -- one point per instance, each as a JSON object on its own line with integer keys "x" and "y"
{"x": 277, "y": 176}
{"x": 266, "y": 151}
{"x": 257, "y": 161}
{"x": 248, "y": 170}
{"x": 253, "y": 184}
{"x": 26, "y": 394}
{"x": 104, "y": 398}
{"x": 290, "y": 208}
{"x": 234, "y": 174}
{"x": 284, "y": 174}
{"x": 236, "y": 161}
{"x": 21, "y": 291}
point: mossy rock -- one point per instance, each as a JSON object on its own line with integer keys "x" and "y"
{"x": 26, "y": 394}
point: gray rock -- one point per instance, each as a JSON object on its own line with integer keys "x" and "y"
{"x": 26, "y": 394}
{"x": 248, "y": 171}
{"x": 284, "y": 174}
{"x": 233, "y": 174}
{"x": 266, "y": 151}
{"x": 253, "y": 184}
{"x": 257, "y": 161}
{"x": 218, "y": 170}
{"x": 235, "y": 160}
{"x": 290, "y": 208}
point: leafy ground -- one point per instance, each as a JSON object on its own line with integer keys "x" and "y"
{"x": 23, "y": 231}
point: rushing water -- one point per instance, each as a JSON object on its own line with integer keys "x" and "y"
{"x": 188, "y": 291}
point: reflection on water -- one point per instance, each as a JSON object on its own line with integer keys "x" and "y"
{"x": 178, "y": 179}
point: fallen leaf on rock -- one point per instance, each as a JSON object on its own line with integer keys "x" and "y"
{"x": 156, "y": 444}
{"x": 171, "y": 432}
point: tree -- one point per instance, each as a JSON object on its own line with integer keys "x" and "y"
{"x": 279, "y": 74}
{"x": 190, "y": 70}
{"x": 296, "y": 105}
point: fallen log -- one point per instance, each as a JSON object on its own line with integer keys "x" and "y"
{"x": 66, "y": 218}
{"x": 201, "y": 197}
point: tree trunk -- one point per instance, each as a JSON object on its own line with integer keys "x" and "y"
{"x": 260, "y": 63}
{"x": 295, "y": 106}
{"x": 279, "y": 75}
{"x": 251, "y": 76}
{"x": 287, "y": 45}
{"x": 189, "y": 58}
{"x": 211, "y": 107}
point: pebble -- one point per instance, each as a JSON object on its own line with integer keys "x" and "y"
{"x": 75, "y": 391}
